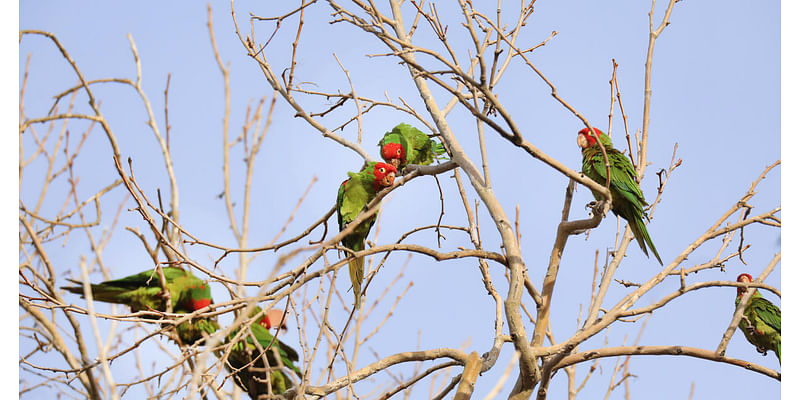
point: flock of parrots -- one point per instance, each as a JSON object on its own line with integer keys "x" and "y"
{"x": 404, "y": 144}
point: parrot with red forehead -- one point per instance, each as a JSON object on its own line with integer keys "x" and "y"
{"x": 354, "y": 194}
{"x": 627, "y": 200}
{"x": 405, "y": 144}
{"x": 246, "y": 361}
{"x": 761, "y": 321}
{"x": 143, "y": 292}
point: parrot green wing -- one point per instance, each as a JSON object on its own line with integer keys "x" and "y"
{"x": 420, "y": 149}
{"x": 351, "y": 199}
{"x": 287, "y": 354}
{"x": 623, "y": 176}
{"x": 393, "y": 137}
{"x": 767, "y": 312}
{"x": 761, "y": 325}
{"x": 627, "y": 199}
{"x": 354, "y": 194}
{"x": 141, "y": 291}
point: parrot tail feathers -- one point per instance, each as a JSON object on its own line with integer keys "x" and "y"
{"x": 74, "y": 289}
{"x": 106, "y": 294}
{"x": 642, "y": 237}
{"x": 356, "y": 277}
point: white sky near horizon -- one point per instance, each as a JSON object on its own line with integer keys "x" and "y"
{"x": 716, "y": 91}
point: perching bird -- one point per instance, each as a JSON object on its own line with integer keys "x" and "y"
{"x": 627, "y": 200}
{"x": 246, "y": 361}
{"x": 408, "y": 145}
{"x": 354, "y": 194}
{"x": 143, "y": 292}
{"x": 761, "y": 321}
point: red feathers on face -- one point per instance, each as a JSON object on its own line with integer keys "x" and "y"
{"x": 383, "y": 169}
{"x": 272, "y": 318}
{"x": 746, "y": 278}
{"x": 198, "y": 304}
{"x": 590, "y": 140}
{"x": 393, "y": 150}
{"x": 384, "y": 175}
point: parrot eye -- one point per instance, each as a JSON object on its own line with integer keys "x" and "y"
{"x": 398, "y": 152}
{"x": 382, "y": 170}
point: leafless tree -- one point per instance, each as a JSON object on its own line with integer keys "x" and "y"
{"x": 456, "y": 68}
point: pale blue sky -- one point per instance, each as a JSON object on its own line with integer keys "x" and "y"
{"x": 716, "y": 92}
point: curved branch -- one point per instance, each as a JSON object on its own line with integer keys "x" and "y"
{"x": 439, "y": 256}
{"x": 373, "y": 368}
{"x": 664, "y": 351}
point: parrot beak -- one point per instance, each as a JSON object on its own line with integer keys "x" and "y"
{"x": 744, "y": 279}
{"x": 395, "y": 162}
{"x": 582, "y": 142}
{"x": 388, "y": 180}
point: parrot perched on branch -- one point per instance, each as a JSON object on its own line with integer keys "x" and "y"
{"x": 408, "y": 145}
{"x": 354, "y": 194}
{"x": 143, "y": 292}
{"x": 627, "y": 200}
{"x": 245, "y": 359}
{"x": 761, "y": 321}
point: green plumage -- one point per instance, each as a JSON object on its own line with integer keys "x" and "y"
{"x": 143, "y": 292}
{"x": 761, "y": 324}
{"x": 419, "y": 148}
{"x": 354, "y": 194}
{"x": 194, "y": 330}
{"x": 626, "y": 196}
{"x": 251, "y": 377}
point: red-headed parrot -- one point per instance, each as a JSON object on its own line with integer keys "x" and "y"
{"x": 408, "y": 145}
{"x": 761, "y": 322}
{"x": 354, "y": 194}
{"x": 245, "y": 359}
{"x": 143, "y": 292}
{"x": 627, "y": 199}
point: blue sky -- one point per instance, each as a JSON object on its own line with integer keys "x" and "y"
{"x": 716, "y": 92}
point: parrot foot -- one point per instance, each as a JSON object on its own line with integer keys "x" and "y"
{"x": 750, "y": 328}
{"x": 597, "y": 207}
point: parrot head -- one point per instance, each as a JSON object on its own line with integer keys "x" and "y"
{"x": 272, "y": 318}
{"x": 197, "y": 297}
{"x": 745, "y": 278}
{"x": 586, "y": 140}
{"x": 394, "y": 154}
{"x": 384, "y": 175}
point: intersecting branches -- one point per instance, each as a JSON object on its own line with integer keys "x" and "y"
{"x": 455, "y": 64}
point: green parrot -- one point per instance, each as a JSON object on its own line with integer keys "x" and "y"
{"x": 354, "y": 194}
{"x": 143, "y": 292}
{"x": 251, "y": 377}
{"x": 761, "y": 322}
{"x": 408, "y": 145}
{"x": 627, "y": 199}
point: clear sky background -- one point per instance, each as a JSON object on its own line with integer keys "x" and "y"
{"x": 716, "y": 92}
